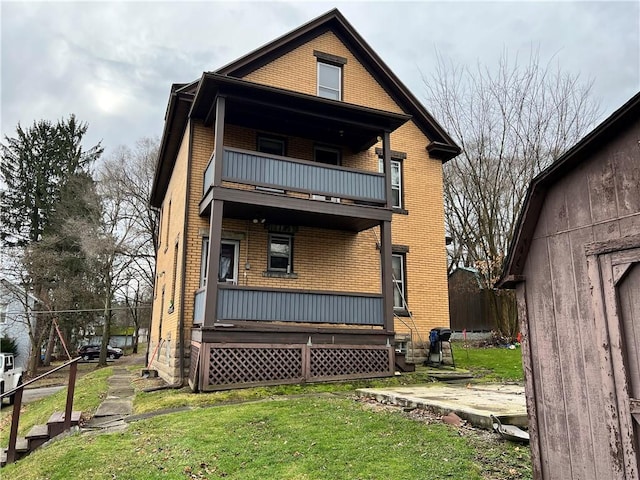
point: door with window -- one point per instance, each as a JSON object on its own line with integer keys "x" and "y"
{"x": 228, "y": 272}
{"x": 228, "y": 267}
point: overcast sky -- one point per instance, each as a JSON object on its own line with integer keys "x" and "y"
{"x": 112, "y": 64}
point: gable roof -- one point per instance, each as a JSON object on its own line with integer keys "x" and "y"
{"x": 442, "y": 145}
{"x": 534, "y": 201}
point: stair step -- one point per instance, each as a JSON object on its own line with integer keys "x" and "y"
{"x": 38, "y": 431}
{"x": 22, "y": 446}
{"x": 37, "y": 436}
{"x": 55, "y": 424}
{"x": 403, "y": 365}
{"x": 22, "y": 449}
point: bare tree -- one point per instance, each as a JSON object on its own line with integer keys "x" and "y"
{"x": 124, "y": 243}
{"x": 511, "y": 122}
{"x": 131, "y": 171}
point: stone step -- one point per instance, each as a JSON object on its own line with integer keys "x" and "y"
{"x": 37, "y": 436}
{"x": 55, "y": 423}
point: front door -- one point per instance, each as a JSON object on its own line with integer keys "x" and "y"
{"x": 228, "y": 272}
{"x": 615, "y": 275}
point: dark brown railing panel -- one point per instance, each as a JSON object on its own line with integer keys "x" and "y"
{"x": 17, "y": 403}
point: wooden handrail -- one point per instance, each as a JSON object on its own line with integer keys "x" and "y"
{"x": 17, "y": 403}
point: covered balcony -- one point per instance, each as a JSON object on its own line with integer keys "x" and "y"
{"x": 285, "y": 187}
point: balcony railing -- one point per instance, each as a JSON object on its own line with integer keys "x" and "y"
{"x": 259, "y": 169}
{"x": 208, "y": 176}
{"x": 280, "y": 305}
{"x": 198, "y": 305}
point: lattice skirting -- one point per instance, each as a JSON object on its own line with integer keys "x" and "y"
{"x": 241, "y": 365}
{"x": 193, "y": 365}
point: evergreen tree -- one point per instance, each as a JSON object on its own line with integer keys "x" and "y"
{"x": 35, "y": 166}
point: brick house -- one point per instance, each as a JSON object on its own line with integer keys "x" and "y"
{"x": 289, "y": 166}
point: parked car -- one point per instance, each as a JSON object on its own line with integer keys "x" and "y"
{"x": 90, "y": 352}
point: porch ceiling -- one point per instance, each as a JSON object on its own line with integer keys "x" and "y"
{"x": 295, "y": 114}
{"x": 284, "y": 210}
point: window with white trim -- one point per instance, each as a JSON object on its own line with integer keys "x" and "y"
{"x": 396, "y": 181}
{"x": 329, "y": 81}
{"x": 280, "y": 253}
{"x": 399, "y": 280}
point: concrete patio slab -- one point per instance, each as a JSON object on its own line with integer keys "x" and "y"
{"x": 474, "y": 403}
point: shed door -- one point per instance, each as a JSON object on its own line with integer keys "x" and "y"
{"x": 628, "y": 294}
{"x": 614, "y": 271}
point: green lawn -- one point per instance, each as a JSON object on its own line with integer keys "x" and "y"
{"x": 490, "y": 364}
{"x": 282, "y": 435}
{"x": 90, "y": 390}
{"x": 303, "y": 438}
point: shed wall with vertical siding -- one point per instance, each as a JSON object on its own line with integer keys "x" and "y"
{"x": 598, "y": 200}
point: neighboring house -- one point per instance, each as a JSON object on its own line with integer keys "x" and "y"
{"x": 288, "y": 167}
{"x": 16, "y": 306}
{"x": 575, "y": 265}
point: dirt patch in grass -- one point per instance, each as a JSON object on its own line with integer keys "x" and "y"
{"x": 497, "y": 459}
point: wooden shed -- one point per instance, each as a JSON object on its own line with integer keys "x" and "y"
{"x": 575, "y": 265}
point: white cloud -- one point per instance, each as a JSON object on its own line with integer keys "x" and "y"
{"x": 112, "y": 63}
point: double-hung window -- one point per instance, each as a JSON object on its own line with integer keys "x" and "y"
{"x": 399, "y": 281}
{"x": 396, "y": 181}
{"x": 280, "y": 253}
{"x": 329, "y": 81}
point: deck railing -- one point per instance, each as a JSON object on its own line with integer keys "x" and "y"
{"x": 17, "y": 403}
{"x": 289, "y": 305}
{"x": 208, "y": 175}
{"x": 198, "y": 305}
{"x": 271, "y": 171}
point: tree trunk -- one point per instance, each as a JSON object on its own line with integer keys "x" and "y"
{"x": 50, "y": 344}
{"x": 136, "y": 332}
{"x": 106, "y": 330}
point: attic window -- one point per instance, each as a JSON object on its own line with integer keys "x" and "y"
{"x": 329, "y": 75}
{"x": 329, "y": 81}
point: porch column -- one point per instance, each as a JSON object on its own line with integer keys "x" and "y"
{"x": 213, "y": 267}
{"x": 386, "y": 161}
{"x": 215, "y": 220}
{"x": 385, "y": 239}
{"x": 387, "y": 275}
{"x": 218, "y": 149}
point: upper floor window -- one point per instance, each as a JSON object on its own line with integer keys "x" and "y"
{"x": 329, "y": 81}
{"x": 327, "y": 155}
{"x": 396, "y": 181}
{"x": 272, "y": 145}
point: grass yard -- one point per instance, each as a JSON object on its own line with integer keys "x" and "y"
{"x": 313, "y": 431}
{"x": 489, "y": 364}
{"x": 90, "y": 390}
{"x": 304, "y": 438}
{"x": 167, "y": 399}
